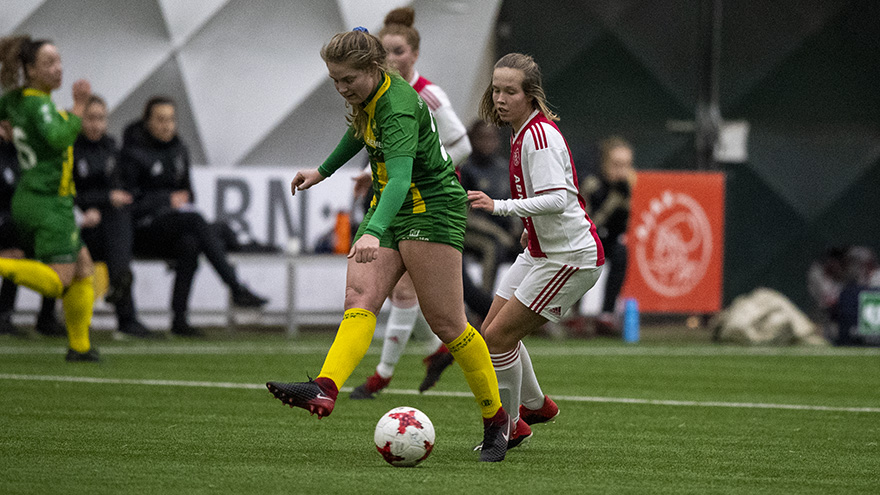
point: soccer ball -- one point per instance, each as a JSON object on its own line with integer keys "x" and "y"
{"x": 404, "y": 436}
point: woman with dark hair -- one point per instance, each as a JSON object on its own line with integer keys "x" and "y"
{"x": 416, "y": 225}
{"x": 106, "y": 206}
{"x": 42, "y": 206}
{"x": 155, "y": 167}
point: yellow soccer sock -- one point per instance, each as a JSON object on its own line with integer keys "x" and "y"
{"x": 32, "y": 274}
{"x": 78, "y": 302}
{"x": 471, "y": 353}
{"x": 350, "y": 345}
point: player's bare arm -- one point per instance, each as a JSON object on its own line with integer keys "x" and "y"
{"x": 480, "y": 201}
{"x": 305, "y": 179}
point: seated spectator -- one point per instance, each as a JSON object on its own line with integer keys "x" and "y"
{"x": 494, "y": 239}
{"x": 154, "y": 163}
{"x": 106, "y": 224}
{"x": 861, "y": 273}
{"x": 825, "y": 279}
{"x": 47, "y": 321}
{"x": 607, "y": 195}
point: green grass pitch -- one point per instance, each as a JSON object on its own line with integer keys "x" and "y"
{"x": 655, "y": 417}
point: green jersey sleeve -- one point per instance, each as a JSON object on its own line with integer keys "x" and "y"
{"x": 57, "y": 127}
{"x": 393, "y": 196}
{"x": 346, "y": 149}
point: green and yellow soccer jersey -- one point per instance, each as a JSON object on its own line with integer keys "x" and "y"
{"x": 387, "y": 137}
{"x": 43, "y": 136}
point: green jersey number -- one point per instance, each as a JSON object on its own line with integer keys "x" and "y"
{"x": 27, "y": 158}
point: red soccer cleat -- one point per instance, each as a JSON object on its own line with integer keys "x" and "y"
{"x": 315, "y": 396}
{"x": 368, "y": 390}
{"x": 547, "y": 412}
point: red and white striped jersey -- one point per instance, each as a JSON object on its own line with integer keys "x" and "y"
{"x": 453, "y": 133}
{"x": 540, "y": 161}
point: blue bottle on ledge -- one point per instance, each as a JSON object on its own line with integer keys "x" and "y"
{"x": 630, "y": 320}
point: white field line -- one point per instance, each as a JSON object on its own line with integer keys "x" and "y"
{"x": 573, "y": 398}
{"x": 419, "y": 348}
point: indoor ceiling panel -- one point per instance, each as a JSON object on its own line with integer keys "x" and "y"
{"x": 184, "y": 18}
{"x": 115, "y": 45}
{"x": 165, "y": 81}
{"x": 307, "y": 135}
{"x": 367, "y": 14}
{"x": 249, "y": 66}
{"x": 14, "y": 12}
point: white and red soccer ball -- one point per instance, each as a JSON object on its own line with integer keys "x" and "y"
{"x": 404, "y": 436}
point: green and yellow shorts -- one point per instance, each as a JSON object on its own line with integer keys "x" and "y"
{"x": 46, "y": 226}
{"x": 443, "y": 223}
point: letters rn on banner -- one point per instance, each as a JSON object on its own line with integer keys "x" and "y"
{"x": 676, "y": 242}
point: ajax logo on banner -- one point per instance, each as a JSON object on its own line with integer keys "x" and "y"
{"x": 673, "y": 244}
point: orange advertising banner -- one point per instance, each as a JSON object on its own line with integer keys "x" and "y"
{"x": 676, "y": 242}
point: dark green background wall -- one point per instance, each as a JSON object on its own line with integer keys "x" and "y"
{"x": 804, "y": 74}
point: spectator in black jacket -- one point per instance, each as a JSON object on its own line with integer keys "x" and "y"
{"x": 155, "y": 167}
{"x": 47, "y": 321}
{"x": 608, "y": 204}
{"x": 106, "y": 224}
{"x": 494, "y": 238}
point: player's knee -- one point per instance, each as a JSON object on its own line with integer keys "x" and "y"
{"x": 497, "y": 341}
{"x": 404, "y": 298}
{"x": 362, "y": 297}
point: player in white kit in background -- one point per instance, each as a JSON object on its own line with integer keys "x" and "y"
{"x": 563, "y": 257}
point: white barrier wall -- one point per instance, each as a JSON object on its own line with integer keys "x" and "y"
{"x": 260, "y": 199}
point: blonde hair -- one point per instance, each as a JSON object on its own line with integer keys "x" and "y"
{"x": 16, "y": 53}
{"x": 531, "y": 86}
{"x": 400, "y": 22}
{"x": 360, "y": 51}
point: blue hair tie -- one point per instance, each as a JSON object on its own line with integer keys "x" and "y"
{"x": 361, "y": 29}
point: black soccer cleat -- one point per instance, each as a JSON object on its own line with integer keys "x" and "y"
{"x": 437, "y": 364}
{"x": 496, "y": 434}
{"x": 519, "y": 435}
{"x": 306, "y": 395}
{"x": 360, "y": 393}
{"x": 90, "y": 356}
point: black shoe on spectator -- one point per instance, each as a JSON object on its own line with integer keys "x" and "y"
{"x": 49, "y": 326}
{"x": 244, "y": 298}
{"x": 9, "y": 328}
{"x": 119, "y": 288}
{"x": 183, "y": 329}
{"x": 134, "y": 328}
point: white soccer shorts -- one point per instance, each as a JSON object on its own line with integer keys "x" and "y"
{"x": 549, "y": 288}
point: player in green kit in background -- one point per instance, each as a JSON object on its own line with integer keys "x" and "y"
{"x": 42, "y": 206}
{"x": 416, "y": 225}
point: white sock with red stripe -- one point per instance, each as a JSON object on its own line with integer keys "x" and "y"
{"x": 509, "y": 369}
{"x": 532, "y": 395}
{"x": 397, "y": 332}
{"x": 421, "y": 329}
